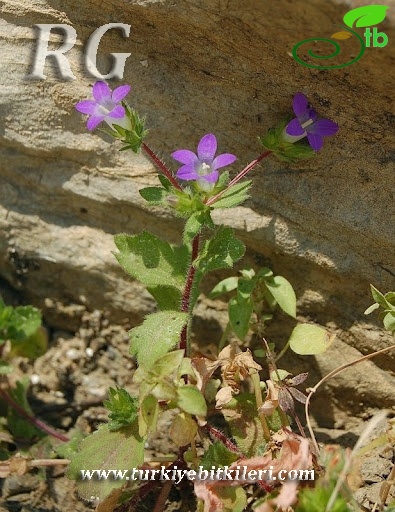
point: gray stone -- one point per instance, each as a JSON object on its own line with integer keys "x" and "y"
{"x": 197, "y": 66}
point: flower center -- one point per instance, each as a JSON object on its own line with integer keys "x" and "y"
{"x": 307, "y": 123}
{"x": 204, "y": 169}
{"x": 106, "y": 107}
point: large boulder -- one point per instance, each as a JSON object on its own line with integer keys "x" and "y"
{"x": 202, "y": 66}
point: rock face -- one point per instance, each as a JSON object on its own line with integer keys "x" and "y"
{"x": 196, "y": 67}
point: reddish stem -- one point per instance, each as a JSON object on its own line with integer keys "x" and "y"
{"x": 148, "y": 487}
{"x": 240, "y": 176}
{"x": 162, "y": 167}
{"x": 186, "y": 296}
{"x": 31, "y": 419}
{"x": 217, "y": 434}
{"x": 164, "y": 494}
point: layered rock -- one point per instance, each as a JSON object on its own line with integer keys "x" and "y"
{"x": 195, "y": 67}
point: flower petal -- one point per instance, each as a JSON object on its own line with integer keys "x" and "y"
{"x": 294, "y": 128}
{"x": 207, "y": 148}
{"x": 311, "y": 114}
{"x": 86, "y": 107}
{"x": 187, "y": 172}
{"x": 101, "y": 92}
{"x": 119, "y": 93}
{"x": 185, "y": 156}
{"x": 118, "y": 112}
{"x": 212, "y": 177}
{"x": 315, "y": 141}
{"x": 94, "y": 121}
{"x": 223, "y": 160}
{"x": 299, "y": 104}
{"x": 323, "y": 127}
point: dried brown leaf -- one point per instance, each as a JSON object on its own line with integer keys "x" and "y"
{"x": 295, "y": 454}
{"x": 223, "y": 397}
{"x": 285, "y": 400}
{"x": 298, "y": 379}
{"x": 298, "y": 395}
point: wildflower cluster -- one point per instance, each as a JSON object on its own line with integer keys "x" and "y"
{"x": 170, "y": 375}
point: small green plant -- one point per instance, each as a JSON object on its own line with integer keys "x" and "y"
{"x": 21, "y": 327}
{"x": 21, "y": 334}
{"x": 170, "y": 376}
{"x": 386, "y": 304}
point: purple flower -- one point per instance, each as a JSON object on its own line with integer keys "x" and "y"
{"x": 202, "y": 167}
{"x": 306, "y": 124}
{"x": 105, "y": 106}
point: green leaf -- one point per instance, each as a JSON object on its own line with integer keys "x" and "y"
{"x": 234, "y": 499}
{"x": 69, "y": 449}
{"x": 168, "y": 364}
{"x": 32, "y": 347}
{"x": 244, "y": 424}
{"x": 18, "y": 324}
{"x": 279, "y": 374}
{"x": 317, "y": 499}
{"x": 222, "y": 251}
{"x": 194, "y": 224}
{"x": 365, "y": 16}
{"x": 158, "y": 334}
{"x": 186, "y": 368}
{"x": 183, "y": 430}
{"x": 218, "y": 456}
{"x": 390, "y": 298}
{"x": 308, "y": 339}
{"x": 152, "y": 261}
{"x": 106, "y": 451}
{"x": 221, "y": 183}
{"x": 19, "y": 427}
{"x": 149, "y": 413}
{"x": 123, "y": 408}
{"x": 165, "y": 391}
{"x": 379, "y": 297}
{"x": 245, "y": 287}
{"x": 132, "y": 139}
{"x": 234, "y": 196}
{"x": 224, "y": 286}
{"x": 389, "y": 321}
{"x": 166, "y": 183}
{"x": 191, "y": 400}
{"x": 240, "y": 315}
{"x": 284, "y": 294}
{"x": 265, "y": 272}
{"x": 248, "y": 273}
{"x": 166, "y": 297}
{"x": 154, "y": 195}
{"x": 26, "y": 320}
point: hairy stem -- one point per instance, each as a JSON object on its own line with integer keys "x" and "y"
{"x": 224, "y": 337}
{"x": 240, "y": 176}
{"x": 217, "y": 434}
{"x": 259, "y": 402}
{"x": 161, "y": 166}
{"x": 283, "y": 417}
{"x": 186, "y": 296}
{"x": 164, "y": 494}
{"x": 272, "y": 367}
{"x": 31, "y": 419}
{"x": 286, "y": 347}
{"x": 130, "y": 506}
